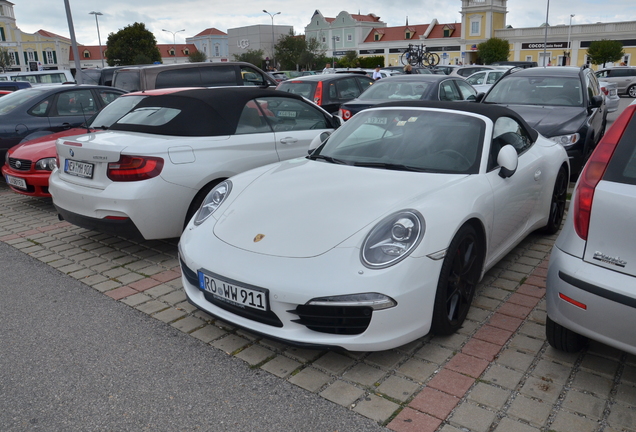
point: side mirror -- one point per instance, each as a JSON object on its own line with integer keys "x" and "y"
{"x": 508, "y": 160}
{"x": 596, "y": 101}
{"x": 337, "y": 122}
{"x": 317, "y": 141}
{"x": 480, "y": 96}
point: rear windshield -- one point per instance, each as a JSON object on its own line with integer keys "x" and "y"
{"x": 302, "y": 88}
{"x": 114, "y": 111}
{"x": 127, "y": 80}
{"x": 395, "y": 90}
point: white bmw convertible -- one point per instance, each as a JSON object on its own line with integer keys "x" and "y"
{"x": 382, "y": 233}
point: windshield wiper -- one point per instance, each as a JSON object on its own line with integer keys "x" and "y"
{"x": 390, "y": 166}
{"x": 100, "y": 127}
{"x": 326, "y": 158}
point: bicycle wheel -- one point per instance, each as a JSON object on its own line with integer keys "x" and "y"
{"x": 415, "y": 59}
{"x": 404, "y": 58}
{"x": 431, "y": 59}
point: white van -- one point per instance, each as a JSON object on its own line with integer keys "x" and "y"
{"x": 47, "y": 77}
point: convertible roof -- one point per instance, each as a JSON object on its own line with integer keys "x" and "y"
{"x": 203, "y": 111}
{"x": 491, "y": 111}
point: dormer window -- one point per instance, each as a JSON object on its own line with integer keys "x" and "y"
{"x": 186, "y": 51}
{"x": 407, "y": 35}
{"x": 378, "y": 35}
{"x": 171, "y": 52}
{"x": 448, "y": 30}
{"x": 87, "y": 54}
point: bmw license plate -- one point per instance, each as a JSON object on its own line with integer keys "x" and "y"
{"x": 233, "y": 293}
{"x": 16, "y": 182}
{"x": 78, "y": 169}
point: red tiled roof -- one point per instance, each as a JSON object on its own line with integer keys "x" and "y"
{"x": 51, "y": 35}
{"x": 211, "y": 31}
{"x": 164, "y": 50}
{"x": 369, "y": 17}
{"x": 330, "y": 19}
{"x": 397, "y": 33}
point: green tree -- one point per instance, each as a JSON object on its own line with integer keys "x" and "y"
{"x": 370, "y": 62}
{"x": 254, "y": 57}
{"x": 349, "y": 60}
{"x": 314, "y": 55}
{"x": 6, "y": 59}
{"x": 130, "y": 45}
{"x": 494, "y": 49}
{"x": 197, "y": 57}
{"x": 605, "y": 51}
{"x": 290, "y": 50}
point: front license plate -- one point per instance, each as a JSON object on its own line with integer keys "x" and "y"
{"x": 79, "y": 169}
{"x": 289, "y": 114}
{"x": 16, "y": 182}
{"x": 232, "y": 293}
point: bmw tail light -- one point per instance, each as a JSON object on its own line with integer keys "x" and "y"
{"x": 594, "y": 170}
{"x": 134, "y": 168}
{"x": 318, "y": 94}
{"x": 345, "y": 114}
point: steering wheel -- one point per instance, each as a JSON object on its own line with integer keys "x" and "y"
{"x": 456, "y": 155}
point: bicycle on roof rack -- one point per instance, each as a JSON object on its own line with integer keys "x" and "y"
{"x": 418, "y": 55}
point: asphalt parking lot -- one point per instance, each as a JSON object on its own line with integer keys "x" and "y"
{"x": 496, "y": 374}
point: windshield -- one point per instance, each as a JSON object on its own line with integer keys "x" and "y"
{"x": 395, "y": 90}
{"x": 114, "y": 111}
{"x": 533, "y": 90}
{"x": 11, "y": 101}
{"x": 408, "y": 139}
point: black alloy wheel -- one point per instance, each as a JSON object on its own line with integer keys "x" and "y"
{"x": 557, "y": 204}
{"x": 458, "y": 279}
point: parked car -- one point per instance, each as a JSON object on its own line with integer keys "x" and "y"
{"x": 14, "y": 85}
{"x": 382, "y": 233}
{"x": 42, "y": 110}
{"x": 415, "y": 70}
{"x": 466, "y": 71}
{"x": 445, "y": 69}
{"x": 562, "y": 103}
{"x": 44, "y": 77}
{"x": 610, "y": 91}
{"x": 29, "y": 164}
{"x": 483, "y": 80}
{"x": 623, "y": 76}
{"x": 521, "y": 64}
{"x": 278, "y": 76}
{"x": 409, "y": 88}
{"x": 206, "y": 74}
{"x": 328, "y": 90}
{"x": 592, "y": 271}
{"x": 148, "y": 173}
{"x": 100, "y": 76}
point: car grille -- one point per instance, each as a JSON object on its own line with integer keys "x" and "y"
{"x": 269, "y": 317}
{"x": 345, "y": 320}
{"x": 20, "y": 164}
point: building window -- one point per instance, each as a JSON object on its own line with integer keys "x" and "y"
{"x": 324, "y": 39}
{"x": 171, "y": 51}
{"x": 376, "y": 37}
{"x": 349, "y": 37}
{"x": 475, "y": 25}
{"x": 529, "y": 58}
{"x": 2, "y": 36}
{"x": 186, "y": 51}
{"x": 447, "y": 33}
{"x": 87, "y": 54}
{"x": 217, "y": 50}
{"x": 407, "y": 35}
{"x": 15, "y": 57}
{"x": 50, "y": 57}
{"x": 31, "y": 56}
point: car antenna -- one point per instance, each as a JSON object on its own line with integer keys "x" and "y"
{"x": 88, "y": 129}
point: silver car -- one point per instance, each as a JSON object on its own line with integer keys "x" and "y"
{"x": 610, "y": 90}
{"x": 623, "y": 76}
{"x": 591, "y": 283}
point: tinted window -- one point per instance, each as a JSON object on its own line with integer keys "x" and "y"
{"x": 127, "y": 80}
{"x": 290, "y": 114}
{"x": 218, "y": 76}
{"x": 73, "y": 103}
{"x": 621, "y": 72}
{"x": 448, "y": 91}
{"x": 186, "y": 77}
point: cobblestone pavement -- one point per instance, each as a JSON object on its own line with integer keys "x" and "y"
{"x": 496, "y": 374}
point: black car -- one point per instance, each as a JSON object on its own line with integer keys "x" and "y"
{"x": 562, "y": 103}
{"x": 41, "y": 110}
{"x": 328, "y": 90}
{"x": 409, "y": 88}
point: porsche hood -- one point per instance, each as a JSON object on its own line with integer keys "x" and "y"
{"x": 304, "y": 208}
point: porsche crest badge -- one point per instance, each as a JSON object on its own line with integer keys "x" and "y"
{"x": 258, "y": 237}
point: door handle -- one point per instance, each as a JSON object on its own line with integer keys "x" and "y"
{"x": 288, "y": 140}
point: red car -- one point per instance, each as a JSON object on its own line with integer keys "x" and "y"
{"x": 28, "y": 165}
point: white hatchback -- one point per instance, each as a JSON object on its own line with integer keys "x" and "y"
{"x": 148, "y": 173}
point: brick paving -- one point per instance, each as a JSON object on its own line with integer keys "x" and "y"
{"x": 496, "y": 374}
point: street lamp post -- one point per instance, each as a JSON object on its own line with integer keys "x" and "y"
{"x": 569, "y": 33}
{"x": 545, "y": 42}
{"x": 273, "y": 41}
{"x": 99, "y": 39}
{"x": 174, "y": 41}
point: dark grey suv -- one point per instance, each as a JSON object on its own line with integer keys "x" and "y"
{"x": 562, "y": 103}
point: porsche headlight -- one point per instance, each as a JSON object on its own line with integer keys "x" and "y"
{"x": 47, "y": 164}
{"x": 213, "y": 201}
{"x": 566, "y": 140}
{"x": 393, "y": 239}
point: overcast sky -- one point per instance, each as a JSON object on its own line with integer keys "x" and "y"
{"x": 196, "y": 15}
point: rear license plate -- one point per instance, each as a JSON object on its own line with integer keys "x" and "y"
{"x": 78, "y": 169}
{"x": 233, "y": 293}
{"x": 16, "y": 182}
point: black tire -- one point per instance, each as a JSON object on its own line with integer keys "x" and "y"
{"x": 557, "y": 203}
{"x": 458, "y": 278}
{"x": 563, "y": 339}
{"x": 198, "y": 200}
{"x": 631, "y": 91}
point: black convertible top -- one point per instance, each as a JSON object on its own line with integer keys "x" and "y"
{"x": 493, "y": 112}
{"x": 203, "y": 111}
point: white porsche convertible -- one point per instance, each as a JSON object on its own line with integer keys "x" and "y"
{"x": 382, "y": 233}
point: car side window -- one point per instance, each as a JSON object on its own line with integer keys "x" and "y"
{"x": 333, "y": 93}
{"x": 252, "y": 120}
{"x": 251, "y": 77}
{"x": 448, "y": 91}
{"x": 364, "y": 83}
{"x": 493, "y": 77}
{"x": 107, "y": 97}
{"x": 476, "y": 78}
{"x": 41, "y": 108}
{"x": 468, "y": 92}
{"x": 507, "y": 131}
{"x": 74, "y": 103}
{"x": 593, "y": 87}
{"x": 291, "y": 114}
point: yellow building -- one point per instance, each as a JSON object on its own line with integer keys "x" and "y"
{"x": 38, "y": 51}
